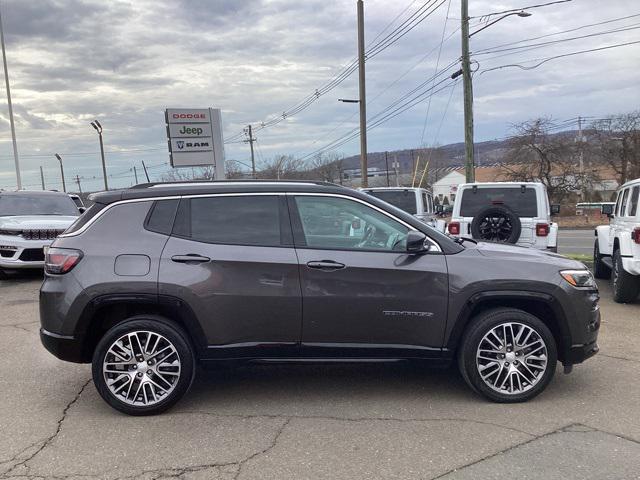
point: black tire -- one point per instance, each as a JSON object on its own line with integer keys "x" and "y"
{"x": 600, "y": 270}
{"x": 496, "y": 223}
{"x": 480, "y": 326}
{"x": 157, "y": 326}
{"x": 625, "y": 286}
{"x": 3, "y": 274}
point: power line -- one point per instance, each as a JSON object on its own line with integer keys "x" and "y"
{"x": 542, "y": 61}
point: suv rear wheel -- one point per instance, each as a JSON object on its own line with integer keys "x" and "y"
{"x": 625, "y": 285}
{"x": 143, "y": 365}
{"x": 507, "y": 355}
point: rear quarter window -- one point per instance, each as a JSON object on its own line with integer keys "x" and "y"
{"x": 161, "y": 216}
{"x": 633, "y": 202}
{"x": 521, "y": 201}
{"x": 83, "y": 219}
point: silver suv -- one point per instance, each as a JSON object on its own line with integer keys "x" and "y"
{"x": 29, "y": 222}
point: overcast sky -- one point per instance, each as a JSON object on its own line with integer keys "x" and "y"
{"x": 124, "y": 62}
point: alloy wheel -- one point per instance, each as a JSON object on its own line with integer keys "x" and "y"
{"x": 495, "y": 228}
{"x": 511, "y": 358}
{"x": 141, "y": 368}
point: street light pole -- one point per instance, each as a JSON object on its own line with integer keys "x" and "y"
{"x": 363, "y": 97}
{"x": 469, "y": 164}
{"x": 96, "y": 124}
{"x": 64, "y": 186}
{"x": 13, "y": 127}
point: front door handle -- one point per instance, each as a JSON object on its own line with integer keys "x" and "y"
{"x": 326, "y": 265}
{"x": 190, "y": 258}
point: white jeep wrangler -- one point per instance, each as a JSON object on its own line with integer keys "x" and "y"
{"x": 416, "y": 201}
{"x": 505, "y": 212}
{"x": 616, "y": 251}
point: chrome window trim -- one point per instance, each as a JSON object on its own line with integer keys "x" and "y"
{"x": 434, "y": 246}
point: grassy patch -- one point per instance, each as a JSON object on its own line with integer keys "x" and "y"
{"x": 581, "y": 257}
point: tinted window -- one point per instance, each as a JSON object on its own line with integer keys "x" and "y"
{"x": 618, "y": 200}
{"x": 623, "y": 204}
{"x": 91, "y": 212}
{"x": 161, "y": 216}
{"x": 241, "y": 220}
{"x": 403, "y": 199}
{"x": 633, "y": 209}
{"x": 521, "y": 201}
{"x": 77, "y": 201}
{"x": 338, "y": 223}
{"x": 21, "y": 204}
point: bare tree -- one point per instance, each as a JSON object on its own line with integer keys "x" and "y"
{"x": 618, "y": 141}
{"x": 327, "y": 167}
{"x": 282, "y": 167}
{"x": 536, "y": 156}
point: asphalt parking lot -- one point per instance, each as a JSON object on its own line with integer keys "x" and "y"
{"x": 318, "y": 422}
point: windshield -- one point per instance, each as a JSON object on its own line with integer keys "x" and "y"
{"x": 521, "y": 201}
{"x": 403, "y": 199}
{"x": 37, "y": 205}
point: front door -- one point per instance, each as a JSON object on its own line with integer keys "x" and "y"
{"x": 231, "y": 259}
{"x": 363, "y": 296}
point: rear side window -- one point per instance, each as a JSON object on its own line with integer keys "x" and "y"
{"x": 161, "y": 215}
{"x": 231, "y": 220}
{"x": 521, "y": 201}
{"x": 623, "y": 205}
{"x": 83, "y": 219}
{"x": 633, "y": 209}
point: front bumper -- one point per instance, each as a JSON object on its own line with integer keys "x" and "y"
{"x": 16, "y": 252}
{"x": 579, "y": 353}
{"x": 68, "y": 348}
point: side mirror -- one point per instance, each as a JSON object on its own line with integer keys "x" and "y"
{"x": 607, "y": 210}
{"x": 416, "y": 242}
{"x": 439, "y": 209}
{"x": 82, "y": 209}
{"x": 555, "y": 209}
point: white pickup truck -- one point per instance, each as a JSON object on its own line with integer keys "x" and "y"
{"x": 616, "y": 251}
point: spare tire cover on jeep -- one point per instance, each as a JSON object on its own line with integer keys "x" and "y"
{"x": 496, "y": 223}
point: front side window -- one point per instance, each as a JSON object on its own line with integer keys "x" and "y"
{"x": 633, "y": 208}
{"x": 343, "y": 224}
{"x": 230, "y": 220}
{"x": 522, "y": 201}
{"x": 623, "y": 204}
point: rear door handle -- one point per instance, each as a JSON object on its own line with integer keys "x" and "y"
{"x": 190, "y": 258}
{"x": 326, "y": 265}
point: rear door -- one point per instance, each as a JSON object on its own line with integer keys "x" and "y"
{"x": 363, "y": 296}
{"x": 231, "y": 259}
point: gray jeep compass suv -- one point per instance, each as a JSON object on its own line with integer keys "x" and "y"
{"x": 153, "y": 280}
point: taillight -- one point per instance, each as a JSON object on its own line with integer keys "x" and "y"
{"x": 635, "y": 235}
{"x": 454, "y": 228}
{"x": 542, "y": 229}
{"x": 61, "y": 260}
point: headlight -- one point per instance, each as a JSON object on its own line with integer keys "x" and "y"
{"x": 579, "y": 278}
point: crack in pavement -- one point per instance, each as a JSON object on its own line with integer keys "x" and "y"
{"x": 356, "y": 419}
{"x": 274, "y": 442}
{"x": 572, "y": 427}
{"x": 619, "y": 358}
{"x": 49, "y": 439}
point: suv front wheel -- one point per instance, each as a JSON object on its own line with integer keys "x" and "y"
{"x": 143, "y": 365}
{"x": 507, "y": 355}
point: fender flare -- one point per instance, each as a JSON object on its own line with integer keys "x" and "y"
{"x": 509, "y": 298}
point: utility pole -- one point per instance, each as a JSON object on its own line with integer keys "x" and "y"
{"x": 469, "y": 165}
{"x": 581, "y": 158}
{"x": 135, "y": 173}
{"x": 79, "y": 186}
{"x": 362, "y": 97}
{"x": 145, "y": 172}
{"x": 64, "y": 186}
{"x": 42, "y": 178}
{"x": 253, "y": 160}
{"x": 386, "y": 162}
{"x": 13, "y": 127}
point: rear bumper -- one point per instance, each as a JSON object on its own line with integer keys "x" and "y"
{"x": 65, "y": 347}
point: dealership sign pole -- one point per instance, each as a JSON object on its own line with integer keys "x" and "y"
{"x": 195, "y": 138}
